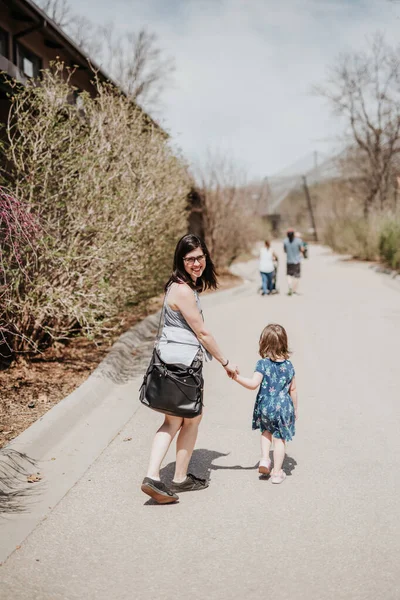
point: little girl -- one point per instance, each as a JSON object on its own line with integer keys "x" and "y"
{"x": 275, "y": 410}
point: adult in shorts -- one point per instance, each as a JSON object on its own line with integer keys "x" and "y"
{"x": 294, "y": 248}
{"x": 184, "y": 340}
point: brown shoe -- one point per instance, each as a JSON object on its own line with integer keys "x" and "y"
{"x": 264, "y": 467}
{"x": 158, "y": 491}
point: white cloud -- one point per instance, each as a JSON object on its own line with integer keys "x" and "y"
{"x": 245, "y": 69}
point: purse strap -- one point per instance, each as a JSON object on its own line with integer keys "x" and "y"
{"x": 162, "y": 318}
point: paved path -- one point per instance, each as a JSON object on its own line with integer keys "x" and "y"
{"x": 330, "y": 532}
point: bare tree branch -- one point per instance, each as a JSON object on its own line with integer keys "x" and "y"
{"x": 364, "y": 88}
{"x": 133, "y": 59}
{"x": 58, "y": 10}
{"x": 229, "y": 212}
{"x": 137, "y": 63}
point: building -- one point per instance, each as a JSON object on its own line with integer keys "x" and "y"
{"x": 29, "y": 41}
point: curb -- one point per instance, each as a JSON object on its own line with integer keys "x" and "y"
{"x": 386, "y": 271}
{"x": 67, "y": 439}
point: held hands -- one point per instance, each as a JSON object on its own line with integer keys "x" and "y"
{"x": 232, "y": 370}
{"x": 235, "y": 376}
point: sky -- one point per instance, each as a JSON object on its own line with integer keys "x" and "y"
{"x": 245, "y": 70}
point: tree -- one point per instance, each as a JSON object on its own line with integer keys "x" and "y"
{"x": 133, "y": 59}
{"x": 58, "y": 10}
{"x": 229, "y": 211}
{"x": 137, "y": 63}
{"x": 364, "y": 89}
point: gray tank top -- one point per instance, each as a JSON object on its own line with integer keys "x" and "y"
{"x": 174, "y": 318}
{"x": 178, "y": 343}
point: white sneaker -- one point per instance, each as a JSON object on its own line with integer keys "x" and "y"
{"x": 278, "y": 478}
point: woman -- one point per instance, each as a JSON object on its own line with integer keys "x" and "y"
{"x": 184, "y": 339}
{"x": 268, "y": 259}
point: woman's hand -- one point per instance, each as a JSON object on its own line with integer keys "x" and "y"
{"x": 231, "y": 370}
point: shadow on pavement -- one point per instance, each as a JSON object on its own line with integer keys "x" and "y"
{"x": 289, "y": 465}
{"x": 202, "y": 465}
{"x": 15, "y": 490}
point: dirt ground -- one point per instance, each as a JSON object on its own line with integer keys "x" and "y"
{"x": 28, "y": 389}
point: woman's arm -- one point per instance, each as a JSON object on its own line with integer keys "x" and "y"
{"x": 293, "y": 395}
{"x": 184, "y": 300}
{"x": 250, "y": 383}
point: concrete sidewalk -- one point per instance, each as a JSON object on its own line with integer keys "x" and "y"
{"x": 66, "y": 441}
{"x": 330, "y": 532}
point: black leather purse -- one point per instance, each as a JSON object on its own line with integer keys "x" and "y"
{"x": 173, "y": 389}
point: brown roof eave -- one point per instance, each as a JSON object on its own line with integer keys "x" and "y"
{"x": 83, "y": 61}
{"x": 56, "y": 32}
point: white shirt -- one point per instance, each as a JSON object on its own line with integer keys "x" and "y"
{"x": 266, "y": 260}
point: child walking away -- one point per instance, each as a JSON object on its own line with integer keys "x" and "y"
{"x": 275, "y": 410}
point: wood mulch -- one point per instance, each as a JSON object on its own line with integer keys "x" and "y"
{"x": 28, "y": 389}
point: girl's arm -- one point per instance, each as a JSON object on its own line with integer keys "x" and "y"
{"x": 250, "y": 383}
{"x": 293, "y": 395}
{"x": 184, "y": 300}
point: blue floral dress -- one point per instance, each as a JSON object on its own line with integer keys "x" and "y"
{"x": 273, "y": 410}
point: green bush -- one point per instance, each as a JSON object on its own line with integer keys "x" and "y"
{"x": 353, "y": 236}
{"x": 389, "y": 243}
{"x": 109, "y": 195}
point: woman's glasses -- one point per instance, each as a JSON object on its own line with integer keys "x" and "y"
{"x": 192, "y": 259}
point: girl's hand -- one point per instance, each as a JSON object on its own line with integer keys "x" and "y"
{"x": 296, "y": 414}
{"x": 251, "y": 383}
{"x": 231, "y": 370}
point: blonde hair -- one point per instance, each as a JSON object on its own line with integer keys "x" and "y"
{"x": 274, "y": 342}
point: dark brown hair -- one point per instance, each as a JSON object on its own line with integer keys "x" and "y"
{"x": 274, "y": 342}
{"x": 186, "y": 244}
{"x": 290, "y": 235}
{"x": 267, "y": 243}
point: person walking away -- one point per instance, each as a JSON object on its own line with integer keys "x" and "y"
{"x": 276, "y": 406}
{"x": 267, "y": 268}
{"x": 294, "y": 249}
{"x": 184, "y": 341}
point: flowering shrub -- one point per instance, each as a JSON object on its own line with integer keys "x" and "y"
{"x": 19, "y": 234}
{"x": 110, "y": 196}
{"x": 18, "y": 230}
